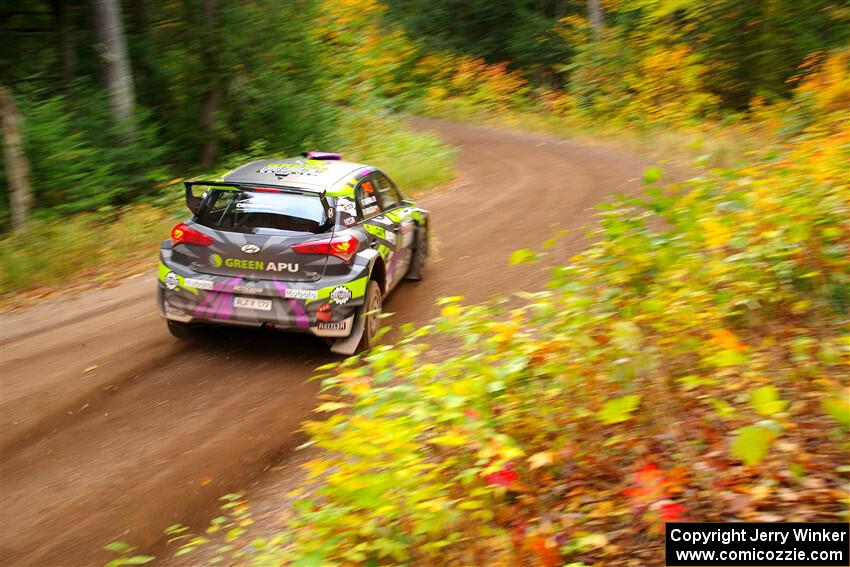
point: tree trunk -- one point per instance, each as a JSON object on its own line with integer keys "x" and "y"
{"x": 17, "y": 166}
{"x": 63, "y": 43}
{"x": 112, "y": 46}
{"x": 210, "y": 148}
{"x": 594, "y": 12}
{"x": 211, "y": 96}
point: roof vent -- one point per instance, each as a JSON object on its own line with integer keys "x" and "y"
{"x": 321, "y": 155}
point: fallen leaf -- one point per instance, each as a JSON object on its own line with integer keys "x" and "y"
{"x": 541, "y": 459}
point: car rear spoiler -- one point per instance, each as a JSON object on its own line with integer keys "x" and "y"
{"x": 194, "y": 198}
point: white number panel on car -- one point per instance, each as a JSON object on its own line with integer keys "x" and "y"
{"x": 252, "y": 303}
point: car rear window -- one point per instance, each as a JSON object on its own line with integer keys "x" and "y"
{"x": 253, "y": 212}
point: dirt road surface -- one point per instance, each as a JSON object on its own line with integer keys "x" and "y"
{"x": 110, "y": 429}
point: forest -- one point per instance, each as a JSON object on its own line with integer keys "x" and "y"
{"x": 106, "y": 100}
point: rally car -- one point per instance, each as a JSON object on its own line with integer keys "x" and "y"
{"x": 310, "y": 244}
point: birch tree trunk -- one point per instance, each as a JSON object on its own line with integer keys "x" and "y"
{"x": 17, "y": 166}
{"x": 112, "y": 47}
{"x": 594, "y": 13}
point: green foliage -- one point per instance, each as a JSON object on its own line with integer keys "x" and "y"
{"x": 618, "y": 410}
{"x": 752, "y": 443}
{"x": 123, "y": 551}
{"x": 76, "y": 168}
{"x": 268, "y": 76}
{"x": 523, "y": 32}
{"x": 523, "y": 256}
{"x": 652, "y": 174}
{"x": 766, "y": 401}
{"x": 268, "y": 84}
{"x": 839, "y": 409}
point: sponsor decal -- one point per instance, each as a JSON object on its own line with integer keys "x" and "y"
{"x": 394, "y": 216}
{"x": 281, "y": 266}
{"x": 340, "y": 295}
{"x": 198, "y": 283}
{"x": 389, "y": 236}
{"x": 250, "y": 249}
{"x": 347, "y": 206}
{"x": 249, "y": 289}
{"x": 368, "y": 187}
{"x": 262, "y": 207}
{"x": 375, "y": 230}
{"x": 301, "y": 294}
{"x": 244, "y": 264}
{"x": 383, "y": 220}
{"x": 348, "y": 221}
{"x": 357, "y": 287}
{"x": 370, "y": 210}
{"x": 258, "y": 265}
{"x": 310, "y": 167}
{"x": 333, "y": 326}
{"x": 330, "y": 212}
{"x": 171, "y": 281}
{"x": 370, "y": 200}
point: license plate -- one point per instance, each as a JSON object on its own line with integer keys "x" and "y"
{"x": 253, "y": 303}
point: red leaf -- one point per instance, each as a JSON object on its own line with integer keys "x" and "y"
{"x": 673, "y": 511}
{"x": 504, "y": 477}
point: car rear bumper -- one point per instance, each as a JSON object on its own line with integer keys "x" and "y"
{"x": 197, "y": 298}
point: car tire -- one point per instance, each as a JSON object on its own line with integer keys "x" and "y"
{"x": 370, "y": 311}
{"x": 420, "y": 255}
{"x": 180, "y": 330}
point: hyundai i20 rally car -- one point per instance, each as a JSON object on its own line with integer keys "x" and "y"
{"x": 310, "y": 244}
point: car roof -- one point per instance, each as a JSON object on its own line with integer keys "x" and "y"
{"x": 311, "y": 174}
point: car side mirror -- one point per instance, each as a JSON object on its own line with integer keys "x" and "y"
{"x": 194, "y": 195}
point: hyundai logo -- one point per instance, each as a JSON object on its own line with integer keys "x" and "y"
{"x": 250, "y": 249}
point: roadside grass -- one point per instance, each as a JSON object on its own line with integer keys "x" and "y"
{"x": 81, "y": 251}
{"x": 102, "y": 248}
{"x": 416, "y": 161}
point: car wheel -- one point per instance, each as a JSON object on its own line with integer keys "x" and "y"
{"x": 420, "y": 254}
{"x": 370, "y": 311}
{"x": 179, "y": 330}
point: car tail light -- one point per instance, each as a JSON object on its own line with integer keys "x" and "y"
{"x": 343, "y": 247}
{"x": 182, "y": 234}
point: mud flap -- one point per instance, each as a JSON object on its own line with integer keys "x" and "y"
{"x": 348, "y": 345}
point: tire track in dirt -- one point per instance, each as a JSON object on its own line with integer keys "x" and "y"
{"x": 169, "y": 428}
